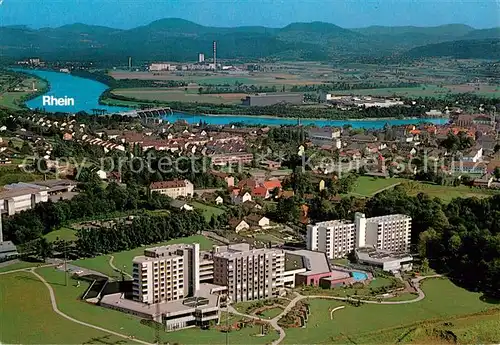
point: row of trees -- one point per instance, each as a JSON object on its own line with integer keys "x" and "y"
{"x": 142, "y": 230}
{"x": 330, "y": 86}
{"x": 95, "y": 202}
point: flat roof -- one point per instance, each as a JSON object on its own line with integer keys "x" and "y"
{"x": 314, "y": 262}
{"x": 235, "y": 254}
{"x": 370, "y": 254}
{"x": 167, "y": 308}
{"x": 12, "y": 193}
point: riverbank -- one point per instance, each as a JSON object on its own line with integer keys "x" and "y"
{"x": 274, "y": 111}
{"x": 88, "y": 95}
{"x": 430, "y": 119}
{"x": 17, "y": 99}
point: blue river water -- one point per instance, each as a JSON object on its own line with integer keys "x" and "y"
{"x": 86, "y": 94}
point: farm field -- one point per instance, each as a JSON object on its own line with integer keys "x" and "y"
{"x": 264, "y": 79}
{"x": 423, "y": 91}
{"x": 123, "y": 260}
{"x": 11, "y": 99}
{"x": 26, "y": 316}
{"x": 443, "y": 300}
{"x": 171, "y": 95}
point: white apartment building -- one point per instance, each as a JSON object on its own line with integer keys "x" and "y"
{"x": 167, "y": 273}
{"x": 337, "y": 238}
{"x": 249, "y": 274}
{"x": 173, "y": 188}
{"x": 334, "y": 237}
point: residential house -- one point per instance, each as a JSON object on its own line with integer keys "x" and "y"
{"x": 469, "y": 167}
{"x": 474, "y": 154}
{"x": 257, "y": 220}
{"x": 237, "y": 197}
{"x": 251, "y": 206}
{"x": 238, "y": 225}
{"x": 224, "y": 176}
{"x": 181, "y": 205}
{"x": 173, "y": 188}
{"x": 271, "y": 165}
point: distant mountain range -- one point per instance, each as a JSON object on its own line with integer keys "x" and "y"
{"x": 175, "y": 39}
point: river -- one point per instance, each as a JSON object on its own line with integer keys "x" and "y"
{"x": 86, "y": 92}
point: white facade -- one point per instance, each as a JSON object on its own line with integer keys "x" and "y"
{"x": 335, "y": 238}
{"x": 173, "y": 189}
{"x": 166, "y": 273}
{"x": 250, "y": 274}
{"x": 338, "y": 238}
{"x": 17, "y": 200}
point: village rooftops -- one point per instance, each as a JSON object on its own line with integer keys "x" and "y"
{"x": 168, "y": 184}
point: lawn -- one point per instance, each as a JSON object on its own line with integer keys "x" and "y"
{"x": 68, "y": 302}
{"x": 17, "y": 265}
{"x": 481, "y": 328}
{"x": 447, "y": 193}
{"x": 63, "y": 233}
{"x": 123, "y": 260}
{"x": 26, "y": 316}
{"x": 443, "y": 300}
{"x": 208, "y": 211}
{"x": 368, "y": 186}
{"x": 271, "y": 313}
{"x": 379, "y": 282}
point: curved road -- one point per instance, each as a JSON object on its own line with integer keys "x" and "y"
{"x": 54, "y": 307}
{"x": 111, "y": 258}
{"x": 274, "y": 322}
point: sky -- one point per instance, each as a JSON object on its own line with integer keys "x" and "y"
{"x": 272, "y": 13}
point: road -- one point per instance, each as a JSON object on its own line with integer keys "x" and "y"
{"x": 282, "y": 334}
{"x": 111, "y": 258}
{"x": 56, "y": 309}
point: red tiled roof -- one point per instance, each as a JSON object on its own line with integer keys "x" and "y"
{"x": 271, "y": 184}
{"x": 259, "y": 191}
{"x": 248, "y": 183}
{"x": 167, "y": 184}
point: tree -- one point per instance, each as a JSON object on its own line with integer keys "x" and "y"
{"x": 424, "y": 266}
{"x": 496, "y": 173}
{"x": 26, "y": 149}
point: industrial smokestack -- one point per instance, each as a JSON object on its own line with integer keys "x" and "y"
{"x": 215, "y": 55}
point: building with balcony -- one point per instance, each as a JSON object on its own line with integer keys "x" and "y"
{"x": 167, "y": 273}
{"x": 337, "y": 238}
{"x": 249, "y": 274}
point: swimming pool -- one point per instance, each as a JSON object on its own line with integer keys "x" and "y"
{"x": 359, "y": 276}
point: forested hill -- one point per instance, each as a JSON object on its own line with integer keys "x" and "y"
{"x": 175, "y": 39}
{"x": 466, "y": 49}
